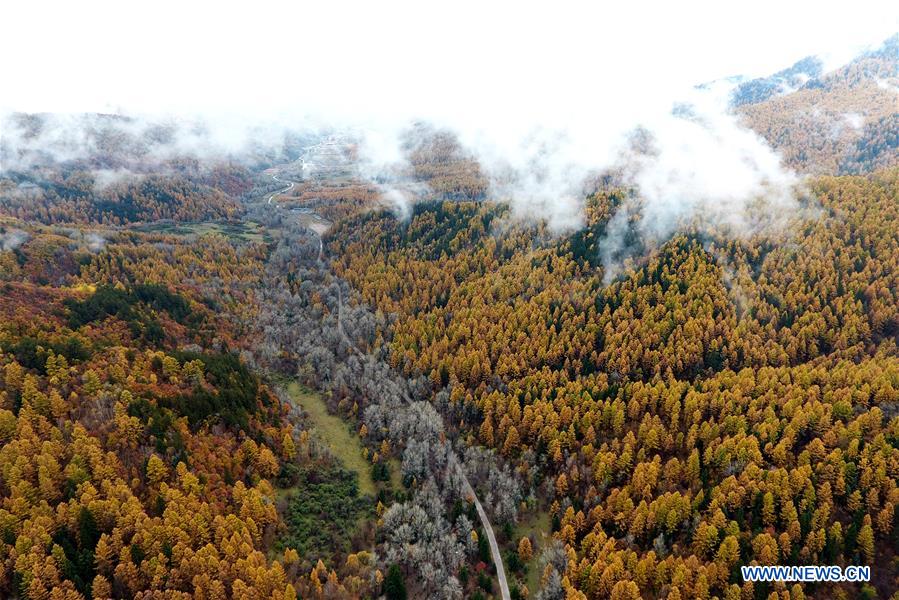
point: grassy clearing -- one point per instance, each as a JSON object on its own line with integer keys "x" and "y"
{"x": 396, "y": 473}
{"x": 336, "y": 434}
{"x": 538, "y": 526}
{"x": 246, "y": 231}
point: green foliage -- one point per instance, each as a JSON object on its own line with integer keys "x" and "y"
{"x": 104, "y": 302}
{"x": 234, "y": 396}
{"x": 485, "y": 582}
{"x": 394, "y": 585}
{"x": 435, "y": 229}
{"x": 868, "y": 592}
{"x": 380, "y": 472}
{"x": 133, "y": 306}
{"x": 161, "y": 298}
{"x": 513, "y": 561}
{"x": 483, "y": 547}
{"x": 77, "y": 556}
{"x": 158, "y": 421}
{"x": 32, "y": 352}
{"x": 322, "y": 512}
{"x": 137, "y": 554}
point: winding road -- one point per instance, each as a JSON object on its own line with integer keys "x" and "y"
{"x": 488, "y": 529}
{"x": 279, "y": 192}
{"x": 468, "y": 489}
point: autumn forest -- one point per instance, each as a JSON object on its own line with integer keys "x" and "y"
{"x": 254, "y": 376}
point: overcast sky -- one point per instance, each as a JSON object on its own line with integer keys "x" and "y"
{"x": 545, "y": 95}
{"x": 403, "y": 59}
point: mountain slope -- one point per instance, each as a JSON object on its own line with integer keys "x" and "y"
{"x": 842, "y": 122}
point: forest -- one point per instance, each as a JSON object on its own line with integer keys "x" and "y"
{"x": 841, "y": 122}
{"x": 245, "y": 377}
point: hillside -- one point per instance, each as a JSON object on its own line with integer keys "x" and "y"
{"x": 496, "y": 323}
{"x": 115, "y": 170}
{"x": 845, "y": 121}
{"x": 704, "y": 411}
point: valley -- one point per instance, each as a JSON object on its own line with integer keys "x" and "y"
{"x": 323, "y": 163}
{"x": 611, "y": 342}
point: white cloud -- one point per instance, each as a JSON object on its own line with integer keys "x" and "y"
{"x": 543, "y": 93}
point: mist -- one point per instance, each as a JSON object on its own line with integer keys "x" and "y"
{"x": 699, "y": 166}
{"x": 118, "y": 146}
{"x": 542, "y": 100}
{"x": 12, "y": 238}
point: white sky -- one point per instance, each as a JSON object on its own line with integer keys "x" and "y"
{"x": 550, "y": 90}
{"x": 403, "y": 59}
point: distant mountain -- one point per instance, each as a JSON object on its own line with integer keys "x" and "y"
{"x": 788, "y": 80}
{"x": 117, "y": 169}
{"x": 845, "y": 121}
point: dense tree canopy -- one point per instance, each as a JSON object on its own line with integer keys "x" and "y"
{"x": 726, "y": 401}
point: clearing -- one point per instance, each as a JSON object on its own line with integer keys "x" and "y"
{"x": 344, "y": 444}
{"x": 538, "y": 527}
{"x": 248, "y": 231}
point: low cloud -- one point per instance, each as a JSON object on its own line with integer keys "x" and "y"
{"x": 114, "y": 144}
{"x": 12, "y": 238}
{"x": 95, "y": 242}
{"x": 695, "y": 164}
{"x": 854, "y": 120}
{"x": 106, "y": 178}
